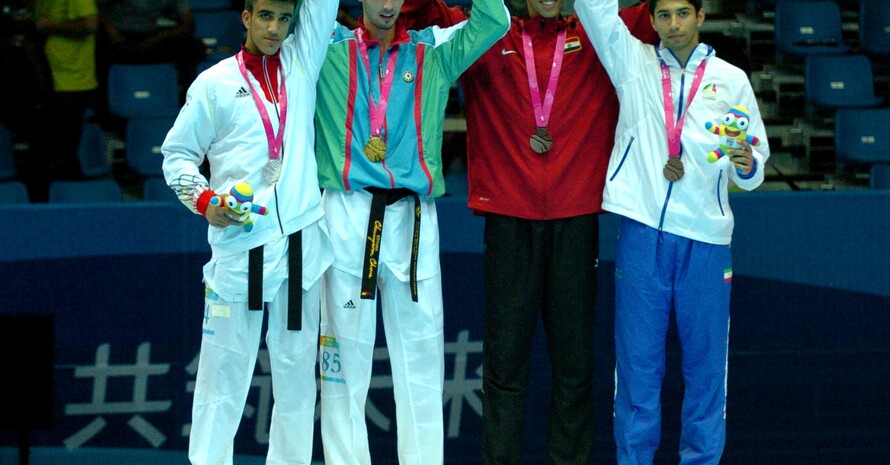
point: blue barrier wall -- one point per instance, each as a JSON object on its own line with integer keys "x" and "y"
{"x": 809, "y": 357}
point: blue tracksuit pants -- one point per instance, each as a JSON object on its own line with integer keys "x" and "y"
{"x": 654, "y": 273}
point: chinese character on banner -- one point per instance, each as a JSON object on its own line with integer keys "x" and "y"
{"x": 100, "y": 372}
{"x": 460, "y": 387}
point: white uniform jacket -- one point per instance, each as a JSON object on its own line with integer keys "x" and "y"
{"x": 696, "y": 206}
{"x": 220, "y": 122}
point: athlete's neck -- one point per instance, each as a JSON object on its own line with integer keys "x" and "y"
{"x": 384, "y": 37}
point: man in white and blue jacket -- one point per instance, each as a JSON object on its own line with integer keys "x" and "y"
{"x": 674, "y": 242}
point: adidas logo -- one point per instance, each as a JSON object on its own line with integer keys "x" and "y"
{"x": 242, "y": 92}
{"x": 349, "y": 305}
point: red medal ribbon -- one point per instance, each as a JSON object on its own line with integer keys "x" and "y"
{"x": 675, "y": 127}
{"x": 377, "y": 110}
{"x": 276, "y": 141}
{"x": 542, "y": 109}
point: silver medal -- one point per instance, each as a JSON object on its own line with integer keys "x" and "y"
{"x": 272, "y": 170}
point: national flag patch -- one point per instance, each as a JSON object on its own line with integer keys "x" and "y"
{"x": 727, "y": 275}
{"x": 710, "y": 91}
{"x": 573, "y": 44}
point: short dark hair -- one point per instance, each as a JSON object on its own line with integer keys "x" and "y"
{"x": 653, "y": 3}
{"x": 248, "y": 4}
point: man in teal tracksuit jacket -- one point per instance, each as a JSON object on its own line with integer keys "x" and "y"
{"x": 381, "y": 105}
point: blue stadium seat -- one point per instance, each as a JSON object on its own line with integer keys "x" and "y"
{"x": 12, "y": 192}
{"x": 94, "y": 190}
{"x": 7, "y": 154}
{"x": 210, "y": 5}
{"x": 804, "y": 28}
{"x": 143, "y": 144}
{"x": 861, "y": 136}
{"x": 880, "y": 176}
{"x": 222, "y": 33}
{"x": 204, "y": 66}
{"x": 874, "y": 27}
{"x": 155, "y": 189}
{"x": 462, "y": 3}
{"x": 839, "y": 81}
{"x": 143, "y": 91}
{"x": 92, "y": 153}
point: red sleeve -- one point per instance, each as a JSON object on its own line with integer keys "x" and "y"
{"x": 419, "y": 14}
{"x": 639, "y": 22}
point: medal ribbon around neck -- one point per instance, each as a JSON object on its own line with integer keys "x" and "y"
{"x": 675, "y": 128}
{"x": 276, "y": 141}
{"x": 377, "y": 110}
{"x": 542, "y": 109}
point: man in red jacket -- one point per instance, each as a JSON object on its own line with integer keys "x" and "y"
{"x": 541, "y": 115}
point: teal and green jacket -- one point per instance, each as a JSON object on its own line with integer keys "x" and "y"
{"x": 428, "y": 62}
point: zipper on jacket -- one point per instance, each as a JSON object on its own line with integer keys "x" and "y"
{"x": 667, "y": 198}
{"x": 719, "y": 200}
{"x": 277, "y": 209}
{"x": 665, "y": 206}
{"x": 630, "y": 143}
{"x": 272, "y": 92}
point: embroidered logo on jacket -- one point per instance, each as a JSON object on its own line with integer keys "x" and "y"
{"x": 242, "y": 92}
{"x": 709, "y": 91}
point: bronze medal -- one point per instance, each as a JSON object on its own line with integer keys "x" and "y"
{"x": 673, "y": 169}
{"x": 375, "y": 149}
{"x": 541, "y": 141}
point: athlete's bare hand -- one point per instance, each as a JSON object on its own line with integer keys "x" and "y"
{"x": 218, "y": 217}
{"x": 743, "y": 158}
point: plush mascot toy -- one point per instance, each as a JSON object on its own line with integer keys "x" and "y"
{"x": 239, "y": 201}
{"x": 732, "y": 131}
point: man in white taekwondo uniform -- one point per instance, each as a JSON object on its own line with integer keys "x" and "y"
{"x": 251, "y": 117}
{"x": 382, "y": 97}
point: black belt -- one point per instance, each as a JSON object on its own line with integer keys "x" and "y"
{"x": 294, "y": 282}
{"x": 381, "y": 198}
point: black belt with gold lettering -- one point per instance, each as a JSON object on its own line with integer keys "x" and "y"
{"x": 380, "y": 199}
{"x": 295, "y": 280}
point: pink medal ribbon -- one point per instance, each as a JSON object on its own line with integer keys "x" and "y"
{"x": 375, "y": 148}
{"x": 276, "y": 141}
{"x": 675, "y": 128}
{"x": 541, "y": 141}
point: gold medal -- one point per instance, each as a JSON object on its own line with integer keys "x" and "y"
{"x": 541, "y": 141}
{"x": 375, "y": 149}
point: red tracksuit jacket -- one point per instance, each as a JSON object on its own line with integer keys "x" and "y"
{"x": 505, "y": 175}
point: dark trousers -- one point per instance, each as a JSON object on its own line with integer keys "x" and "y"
{"x": 533, "y": 268}
{"x": 68, "y": 114}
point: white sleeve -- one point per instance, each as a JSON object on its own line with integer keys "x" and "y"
{"x": 315, "y": 23}
{"x": 186, "y": 144}
{"x": 757, "y": 129}
{"x": 618, "y": 50}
